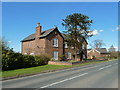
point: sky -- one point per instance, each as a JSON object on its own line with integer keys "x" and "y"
{"x": 19, "y": 19}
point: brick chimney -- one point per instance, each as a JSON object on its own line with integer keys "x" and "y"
{"x": 38, "y": 31}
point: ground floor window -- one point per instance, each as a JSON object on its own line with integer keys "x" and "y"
{"x": 69, "y": 55}
{"x": 31, "y": 53}
{"x": 55, "y": 55}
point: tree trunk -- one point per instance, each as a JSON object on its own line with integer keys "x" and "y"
{"x": 75, "y": 55}
{"x": 81, "y": 56}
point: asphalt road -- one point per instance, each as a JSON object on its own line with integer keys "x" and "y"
{"x": 100, "y": 75}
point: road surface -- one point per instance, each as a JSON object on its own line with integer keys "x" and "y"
{"x": 100, "y": 75}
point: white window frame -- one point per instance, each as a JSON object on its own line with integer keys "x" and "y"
{"x": 83, "y": 46}
{"x": 25, "y": 53}
{"x": 66, "y": 46}
{"x": 31, "y": 53}
{"x": 68, "y": 55}
{"x": 55, "y": 42}
{"x": 55, "y": 55}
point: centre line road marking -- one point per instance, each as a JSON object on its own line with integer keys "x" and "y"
{"x": 105, "y": 67}
{"x": 101, "y": 68}
{"x": 108, "y": 66}
{"x": 63, "y": 80}
{"x": 86, "y": 67}
{"x": 82, "y": 68}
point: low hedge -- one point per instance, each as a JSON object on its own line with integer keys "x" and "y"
{"x": 12, "y": 60}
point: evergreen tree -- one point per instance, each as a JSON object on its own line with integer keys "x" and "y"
{"x": 77, "y": 26}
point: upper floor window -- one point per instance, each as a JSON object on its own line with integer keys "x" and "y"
{"x": 55, "y": 42}
{"x": 28, "y": 44}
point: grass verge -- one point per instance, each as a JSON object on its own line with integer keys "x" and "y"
{"x": 39, "y": 69}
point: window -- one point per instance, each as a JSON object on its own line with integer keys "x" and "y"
{"x": 66, "y": 46}
{"x": 55, "y": 42}
{"x": 28, "y": 44}
{"x": 31, "y": 53}
{"x": 83, "y": 47}
{"x": 25, "y": 53}
{"x": 72, "y": 47}
{"x": 69, "y": 55}
{"x": 55, "y": 55}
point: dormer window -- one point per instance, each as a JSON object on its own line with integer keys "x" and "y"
{"x": 55, "y": 42}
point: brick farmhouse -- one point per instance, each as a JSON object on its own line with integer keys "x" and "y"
{"x": 97, "y": 53}
{"x": 51, "y": 42}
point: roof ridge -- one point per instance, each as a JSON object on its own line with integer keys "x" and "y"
{"x": 48, "y": 29}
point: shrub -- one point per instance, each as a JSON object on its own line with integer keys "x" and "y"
{"x": 28, "y": 61}
{"x": 62, "y": 58}
{"x": 12, "y": 60}
{"x": 42, "y": 59}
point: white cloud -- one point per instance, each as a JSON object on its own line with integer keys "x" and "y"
{"x": 113, "y": 30}
{"x": 117, "y": 28}
{"x": 9, "y": 42}
{"x": 95, "y": 32}
{"x": 100, "y": 30}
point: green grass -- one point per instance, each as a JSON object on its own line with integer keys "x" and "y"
{"x": 32, "y": 70}
{"x": 113, "y": 59}
{"x": 40, "y": 69}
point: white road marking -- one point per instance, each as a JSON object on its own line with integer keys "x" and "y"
{"x": 101, "y": 68}
{"x": 105, "y": 67}
{"x": 63, "y": 80}
{"x": 108, "y": 66}
{"x": 86, "y": 67}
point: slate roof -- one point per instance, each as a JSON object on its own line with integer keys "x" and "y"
{"x": 102, "y": 50}
{"x": 88, "y": 49}
{"x": 43, "y": 34}
{"x": 64, "y": 37}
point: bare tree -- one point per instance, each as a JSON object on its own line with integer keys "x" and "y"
{"x": 97, "y": 43}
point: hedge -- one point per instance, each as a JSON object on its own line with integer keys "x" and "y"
{"x": 12, "y": 60}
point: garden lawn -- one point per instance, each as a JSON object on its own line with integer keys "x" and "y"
{"x": 39, "y": 69}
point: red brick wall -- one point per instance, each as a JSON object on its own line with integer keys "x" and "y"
{"x": 91, "y": 53}
{"x": 49, "y": 43}
{"x": 28, "y": 47}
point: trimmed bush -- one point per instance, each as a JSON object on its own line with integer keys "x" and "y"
{"x": 42, "y": 59}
